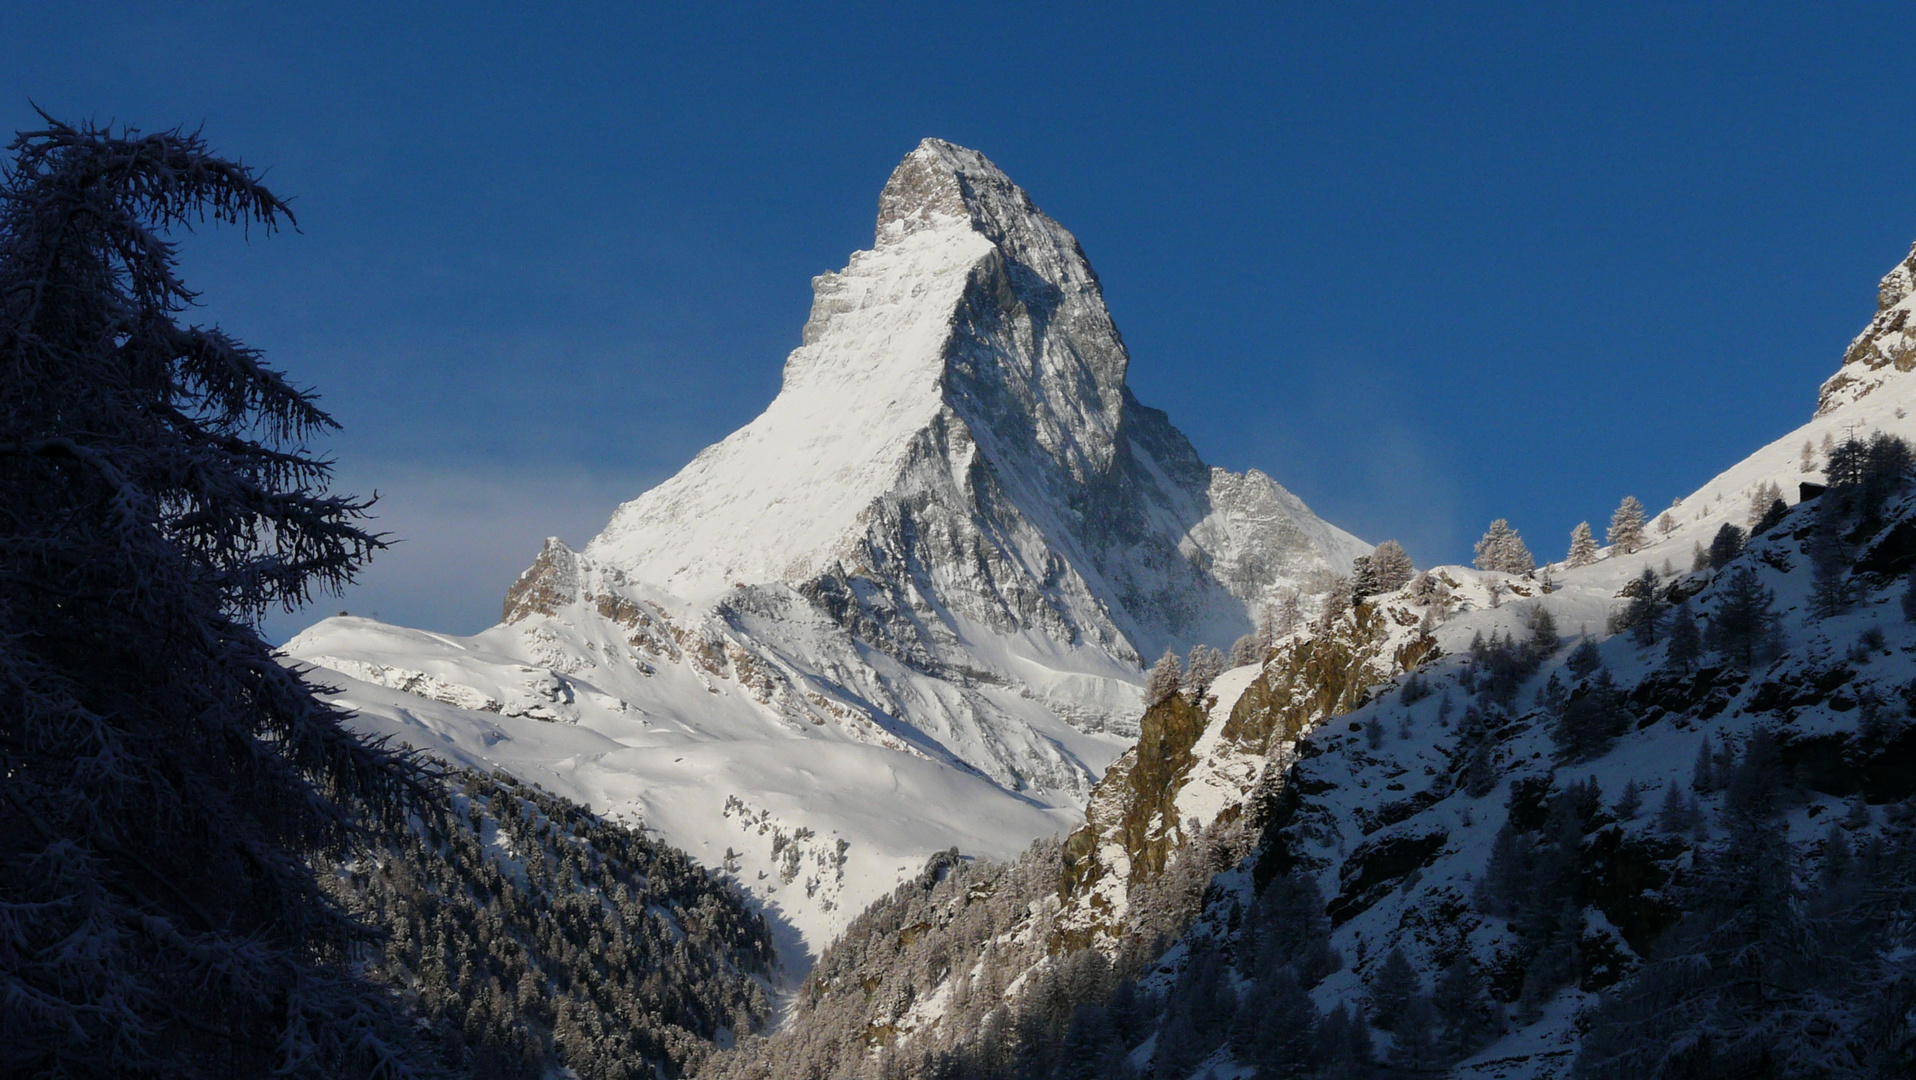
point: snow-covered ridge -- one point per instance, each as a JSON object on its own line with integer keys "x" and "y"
{"x": 902, "y": 610}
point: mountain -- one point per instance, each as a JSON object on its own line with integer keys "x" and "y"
{"x": 1485, "y": 825}
{"x": 905, "y": 609}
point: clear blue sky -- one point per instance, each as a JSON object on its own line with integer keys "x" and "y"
{"x": 1426, "y": 264}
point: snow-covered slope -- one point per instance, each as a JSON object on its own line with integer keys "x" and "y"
{"x": 904, "y": 609}
{"x": 1374, "y": 802}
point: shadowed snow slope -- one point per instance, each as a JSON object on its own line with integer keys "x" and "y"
{"x": 903, "y": 609}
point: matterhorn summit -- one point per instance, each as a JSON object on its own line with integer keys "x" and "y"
{"x": 905, "y": 608}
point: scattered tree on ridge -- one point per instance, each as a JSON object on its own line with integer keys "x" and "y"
{"x": 1166, "y": 678}
{"x": 1626, "y": 526}
{"x": 1583, "y": 546}
{"x": 1392, "y": 565}
{"x": 1205, "y": 666}
{"x": 1503, "y": 550}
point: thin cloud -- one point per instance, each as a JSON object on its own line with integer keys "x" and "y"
{"x": 459, "y": 538}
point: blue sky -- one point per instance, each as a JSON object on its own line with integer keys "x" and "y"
{"x": 1426, "y": 264}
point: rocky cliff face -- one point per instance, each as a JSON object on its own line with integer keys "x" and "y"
{"x": 1885, "y": 348}
{"x": 903, "y": 609}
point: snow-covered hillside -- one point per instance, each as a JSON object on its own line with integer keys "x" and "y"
{"x": 902, "y": 610}
{"x": 1392, "y": 808}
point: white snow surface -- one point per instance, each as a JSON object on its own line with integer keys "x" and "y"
{"x": 902, "y": 610}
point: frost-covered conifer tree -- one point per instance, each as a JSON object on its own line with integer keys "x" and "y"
{"x": 1583, "y": 546}
{"x": 1392, "y": 565}
{"x": 1760, "y": 500}
{"x": 1246, "y": 650}
{"x": 1363, "y": 579}
{"x": 163, "y": 778}
{"x": 1285, "y": 617}
{"x": 1626, "y": 526}
{"x": 1205, "y": 666}
{"x": 1503, "y": 550}
{"x": 1773, "y": 516}
{"x": 1166, "y": 678}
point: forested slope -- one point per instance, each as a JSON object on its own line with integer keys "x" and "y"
{"x": 533, "y": 935}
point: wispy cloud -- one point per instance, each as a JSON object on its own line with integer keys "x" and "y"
{"x": 459, "y": 537}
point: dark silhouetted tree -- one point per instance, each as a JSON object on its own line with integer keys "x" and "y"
{"x": 1727, "y": 544}
{"x": 164, "y": 777}
{"x": 1744, "y": 629}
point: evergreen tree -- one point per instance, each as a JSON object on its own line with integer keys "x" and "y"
{"x": 1727, "y": 544}
{"x": 1468, "y": 1017}
{"x": 1773, "y": 516}
{"x": 1745, "y": 626}
{"x": 1286, "y": 617}
{"x": 1626, "y": 526}
{"x": 1665, "y": 524}
{"x": 1765, "y": 495}
{"x": 1392, "y": 989}
{"x": 1363, "y": 581}
{"x": 1676, "y": 815}
{"x": 1630, "y": 803}
{"x": 1589, "y": 724}
{"x": 1276, "y": 1027}
{"x": 1166, "y": 677}
{"x": 1392, "y": 565}
{"x": 164, "y": 776}
{"x": 1480, "y": 775}
{"x": 1503, "y": 550}
{"x": 1247, "y": 650}
{"x": 1337, "y": 604}
{"x": 1685, "y": 641}
{"x": 1545, "y": 640}
{"x": 1831, "y": 589}
{"x": 1584, "y": 659}
{"x": 1413, "y": 1046}
{"x": 1643, "y": 615}
{"x": 1344, "y": 1047}
{"x": 1205, "y": 666}
{"x": 1583, "y": 546}
{"x": 1845, "y": 463}
{"x": 1703, "y": 770}
{"x": 1748, "y": 984}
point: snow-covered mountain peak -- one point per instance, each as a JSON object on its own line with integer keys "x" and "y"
{"x": 1887, "y": 346}
{"x": 931, "y": 567}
